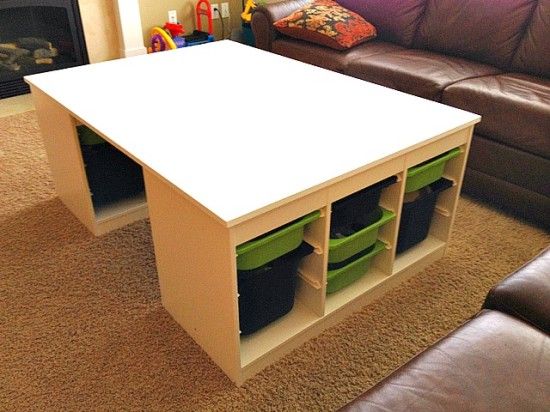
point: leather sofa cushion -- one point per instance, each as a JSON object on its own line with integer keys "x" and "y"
{"x": 525, "y": 293}
{"x": 488, "y": 156}
{"x": 469, "y": 370}
{"x": 417, "y": 72}
{"x": 328, "y": 58}
{"x": 514, "y": 109}
{"x": 395, "y": 20}
{"x": 533, "y": 54}
{"x": 486, "y": 31}
{"x": 506, "y": 196}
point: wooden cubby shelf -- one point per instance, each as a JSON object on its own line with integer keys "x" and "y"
{"x": 209, "y": 189}
{"x": 386, "y": 270}
{"x": 194, "y": 269}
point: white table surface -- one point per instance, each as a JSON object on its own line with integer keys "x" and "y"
{"x": 239, "y": 129}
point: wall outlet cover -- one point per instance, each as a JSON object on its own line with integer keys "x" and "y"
{"x": 172, "y": 16}
{"x": 225, "y": 10}
{"x": 215, "y": 14}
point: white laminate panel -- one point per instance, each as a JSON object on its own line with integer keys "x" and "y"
{"x": 284, "y": 127}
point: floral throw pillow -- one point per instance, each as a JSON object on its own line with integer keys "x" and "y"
{"x": 327, "y": 23}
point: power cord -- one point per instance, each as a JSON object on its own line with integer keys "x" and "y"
{"x": 221, "y": 21}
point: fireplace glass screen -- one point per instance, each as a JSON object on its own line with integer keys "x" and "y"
{"x": 37, "y": 38}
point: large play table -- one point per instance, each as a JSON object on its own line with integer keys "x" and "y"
{"x": 235, "y": 142}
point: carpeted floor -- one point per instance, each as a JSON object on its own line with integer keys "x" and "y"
{"x": 82, "y": 326}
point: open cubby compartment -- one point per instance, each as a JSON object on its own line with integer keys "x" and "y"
{"x": 380, "y": 265}
{"x": 309, "y": 302}
{"x": 417, "y": 214}
{"x": 112, "y": 176}
{"x": 117, "y": 192}
{"x": 274, "y": 257}
{"x": 266, "y": 293}
{"x": 443, "y": 215}
{"x": 69, "y": 173}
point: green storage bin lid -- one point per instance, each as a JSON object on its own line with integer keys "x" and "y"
{"x": 88, "y": 137}
{"x": 428, "y": 172}
{"x": 342, "y": 277}
{"x": 259, "y": 251}
{"x": 343, "y": 248}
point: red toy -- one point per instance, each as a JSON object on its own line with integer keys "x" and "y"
{"x": 171, "y": 35}
{"x": 204, "y": 11}
{"x": 175, "y": 29}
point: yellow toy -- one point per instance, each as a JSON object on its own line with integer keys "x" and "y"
{"x": 246, "y": 15}
{"x": 161, "y": 40}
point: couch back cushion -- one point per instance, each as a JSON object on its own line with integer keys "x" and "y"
{"x": 488, "y": 31}
{"x": 395, "y": 20}
{"x": 533, "y": 54}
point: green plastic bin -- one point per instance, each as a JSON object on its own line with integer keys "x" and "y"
{"x": 88, "y": 137}
{"x": 342, "y": 277}
{"x": 343, "y": 248}
{"x": 428, "y": 172}
{"x": 259, "y": 251}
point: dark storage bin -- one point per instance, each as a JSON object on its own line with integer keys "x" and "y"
{"x": 358, "y": 210}
{"x": 112, "y": 176}
{"x": 416, "y": 215}
{"x": 267, "y": 293}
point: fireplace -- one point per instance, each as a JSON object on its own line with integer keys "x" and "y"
{"x": 38, "y": 36}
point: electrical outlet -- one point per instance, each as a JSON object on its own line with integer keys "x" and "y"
{"x": 214, "y": 7}
{"x": 172, "y": 16}
{"x": 225, "y": 10}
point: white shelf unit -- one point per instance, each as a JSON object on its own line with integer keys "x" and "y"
{"x": 196, "y": 259}
{"x": 207, "y": 195}
{"x": 195, "y": 250}
{"x": 60, "y": 138}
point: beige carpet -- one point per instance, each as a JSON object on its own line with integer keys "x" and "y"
{"x": 82, "y": 326}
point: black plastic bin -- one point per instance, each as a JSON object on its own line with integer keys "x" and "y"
{"x": 267, "y": 293}
{"x": 112, "y": 176}
{"x": 358, "y": 210}
{"x": 416, "y": 215}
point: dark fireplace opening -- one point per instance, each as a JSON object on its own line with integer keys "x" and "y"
{"x": 38, "y": 36}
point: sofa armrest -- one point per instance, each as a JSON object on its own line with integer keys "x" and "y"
{"x": 492, "y": 362}
{"x": 264, "y": 16}
{"x": 525, "y": 293}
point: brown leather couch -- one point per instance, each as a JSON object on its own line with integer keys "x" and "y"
{"x": 490, "y": 57}
{"x": 497, "y": 361}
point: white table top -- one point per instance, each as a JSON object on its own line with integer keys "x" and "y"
{"x": 239, "y": 129}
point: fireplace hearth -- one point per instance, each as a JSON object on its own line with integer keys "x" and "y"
{"x": 38, "y": 36}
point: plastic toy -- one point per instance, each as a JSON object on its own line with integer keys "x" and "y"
{"x": 171, "y": 35}
{"x": 161, "y": 40}
{"x": 175, "y": 29}
{"x": 204, "y": 11}
{"x": 246, "y": 15}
